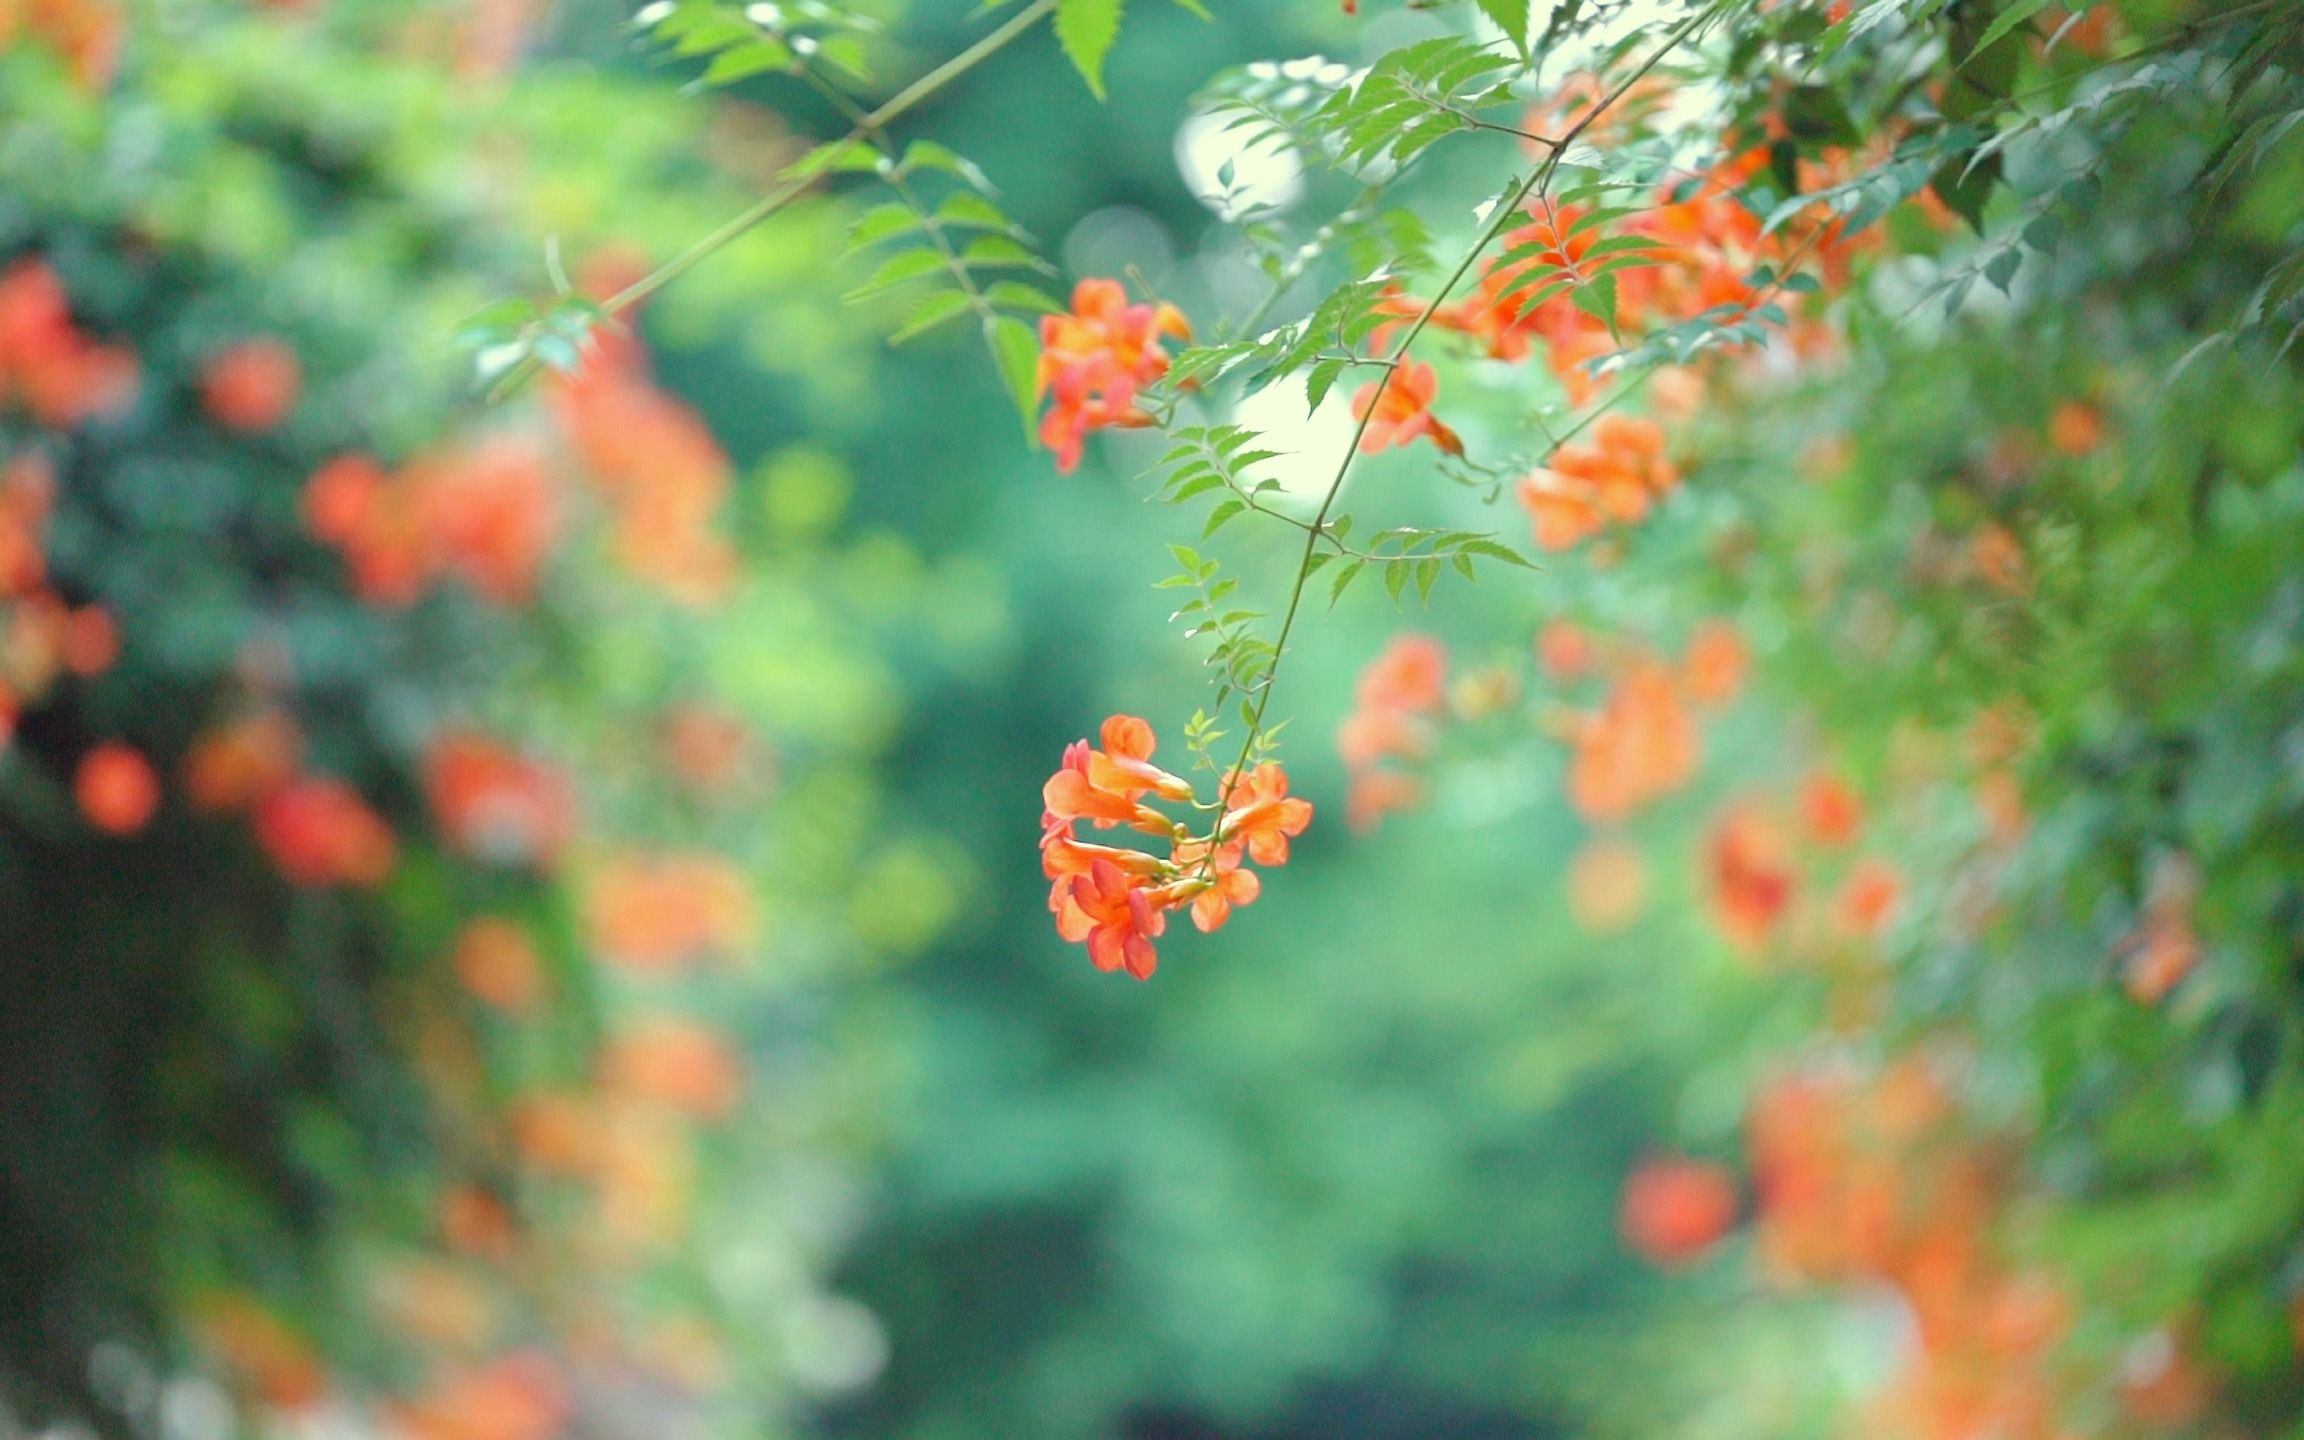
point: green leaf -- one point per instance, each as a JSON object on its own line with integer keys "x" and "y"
{"x": 846, "y": 54}
{"x": 842, "y": 156}
{"x": 881, "y": 222}
{"x": 1221, "y": 514}
{"x": 1813, "y": 113}
{"x": 2017, "y": 13}
{"x": 744, "y": 61}
{"x": 1016, "y": 295}
{"x": 929, "y": 313}
{"x": 965, "y": 207}
{"x": 2001, "y": 269}
{"x": 898, "y": 269}
{"x": 1494, "y": 550}
{"x": 1018, "y": 352}
{"x": 1086, "y": 30}
{"x": 1598, "y": 300}
{"x": 928, "y": 155}
{"x": 1511, "y": 17}
{"x": 998, "y": 250}
{"x": 1967, "y": 189}
{"x": 1321, "y": 381}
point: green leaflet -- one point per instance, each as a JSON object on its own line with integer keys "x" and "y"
{"x": 1511, "y": 17}
{"x": 1086, "y": 30}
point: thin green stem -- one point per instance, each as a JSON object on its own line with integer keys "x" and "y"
{"x": 1538, "y": 181}
{"x": 797, "y": 182}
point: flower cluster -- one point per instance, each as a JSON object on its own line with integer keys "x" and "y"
{"x": 1761, "y": 858}
{"x": 54, "y": 370}
{"x": 1094, "y": 359}
{"x": 1643, "y": 743}
{"x": 1400, "y": 696}
{"x": 484, "y": 514}
{"x": 42, "y": 637}
{"x": 660, "y": 914}
{"x": 1115, "y": 900}
{"x": 654, "y": 465}
{"x": 1697, "y": 250}
{"x": 1611, "y": 479}
{"x": 1879, "y": 1180}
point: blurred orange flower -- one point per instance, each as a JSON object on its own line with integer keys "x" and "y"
{"x": 498, "y": 964}
{"x": 1868, "y": 898}
{"x": 664, "y": 913}
{"x": 239, "y": 763}
{"x": 1749, "y": 859}
{"x": 1399, "y": 411}
{"x": 1641, "y": 746}
{"x": 1094, "y": 359}
{"x": 90, "y": 642}
{"x": 319, "y": 831}
{"x": 1611, "y": 479}
{"x": 251, "y": 386}
{"x": 46, "y": 362}
{"x": 1674, "y": 1209}
{"x": 275, "y": 1363}
{"x": 1716, "y": 663}
{"x": 1607, "y": 885}
{"x": 1830, "y": 811}
{"x": 1565, "y": 650}
{"x": 2076, "y": 427}
{"x": 676, "y": 1063}
{"x": 520, "y": 1397}
{"x": 497, "y": 804}
{"x": 117, "y": 788}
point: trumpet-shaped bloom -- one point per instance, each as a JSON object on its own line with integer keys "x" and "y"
{"x": 1094, "y": 359}
{"x": 1106, "y": 787}
{"x": 1115, "y": 900}
{"x": 1399, "y": 411}
{"x": 1217, "y": 887}
{"x": 1111, "y": 911}
{"x": 1264, "y": 816}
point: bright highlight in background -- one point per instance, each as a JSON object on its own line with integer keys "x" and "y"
{"x": 1233, "y": 174}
